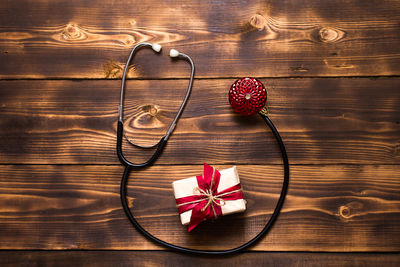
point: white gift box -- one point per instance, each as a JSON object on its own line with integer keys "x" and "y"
{"x": 229, "y": 178}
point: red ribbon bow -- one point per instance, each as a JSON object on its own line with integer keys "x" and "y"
{"x": 207, "y": 204}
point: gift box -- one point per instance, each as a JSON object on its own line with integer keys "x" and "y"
{"x": 210, "y": 195}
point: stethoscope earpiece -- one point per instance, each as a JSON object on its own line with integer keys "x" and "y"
{"x": 156, "y": 47}
{"x": 174, "y": 53}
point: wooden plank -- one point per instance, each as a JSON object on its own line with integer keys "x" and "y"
{"x": 164, "y": 258}
{"x": 343, "y": 208}
{"x": 77, "y": 39}
{"x": 321, "y": 121}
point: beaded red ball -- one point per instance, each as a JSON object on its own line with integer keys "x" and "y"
{"x": 247, "y": 96}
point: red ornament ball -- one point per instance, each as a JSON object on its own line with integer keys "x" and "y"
{"x": 247, "y": 96}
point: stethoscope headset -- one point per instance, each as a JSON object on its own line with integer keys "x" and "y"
{"x": 160, "y": 146}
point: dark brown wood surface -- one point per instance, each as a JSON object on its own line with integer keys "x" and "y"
{"x": 163, "y": 258}
{"x": 82, "y": 39}
{"x": 332, "y": 72}
{"x": 323, "y": 121}
{"x": 328, "y": 208}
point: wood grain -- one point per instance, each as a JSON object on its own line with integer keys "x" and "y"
{"x": 59, "y": 174}
{"x": 77, "y": 39}
{"x": 322, "y": 121}
{"x": 163, "y": 258}
{"x": 344, "y": 208}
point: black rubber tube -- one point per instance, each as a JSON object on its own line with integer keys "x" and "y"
{"x": 263, "y": 232}
{"x": 160, "y": 146}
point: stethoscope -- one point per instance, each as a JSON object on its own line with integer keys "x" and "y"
{"x": 160, "y": 146}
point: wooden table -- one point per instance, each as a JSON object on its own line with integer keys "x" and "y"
{"x": 332, "y": 73}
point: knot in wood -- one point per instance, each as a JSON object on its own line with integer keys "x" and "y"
{"x": 351, "y": 209}
{"x": 328, "y": 35}
{"x": 72, "y": 32}
{"x": 130, "y": 41}
{"x": 153, "y": 110}
{"x": 132, "y": 23}
{"x": 258, "y": 21}
{"x": 344, "y": 212}
{"x": 112, "y": 69}
{"x": 150, "y": 109}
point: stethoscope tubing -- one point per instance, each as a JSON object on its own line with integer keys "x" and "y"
{"x": 129, "y": 166}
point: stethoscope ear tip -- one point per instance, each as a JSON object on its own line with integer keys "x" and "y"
{"x": 173, "y": 53}
{"x": 156, "y": 47}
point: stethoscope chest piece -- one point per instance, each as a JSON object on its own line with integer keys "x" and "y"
{"x": 247, "y": 96}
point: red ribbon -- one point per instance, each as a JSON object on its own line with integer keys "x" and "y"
{"x": 208, "y": 204}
